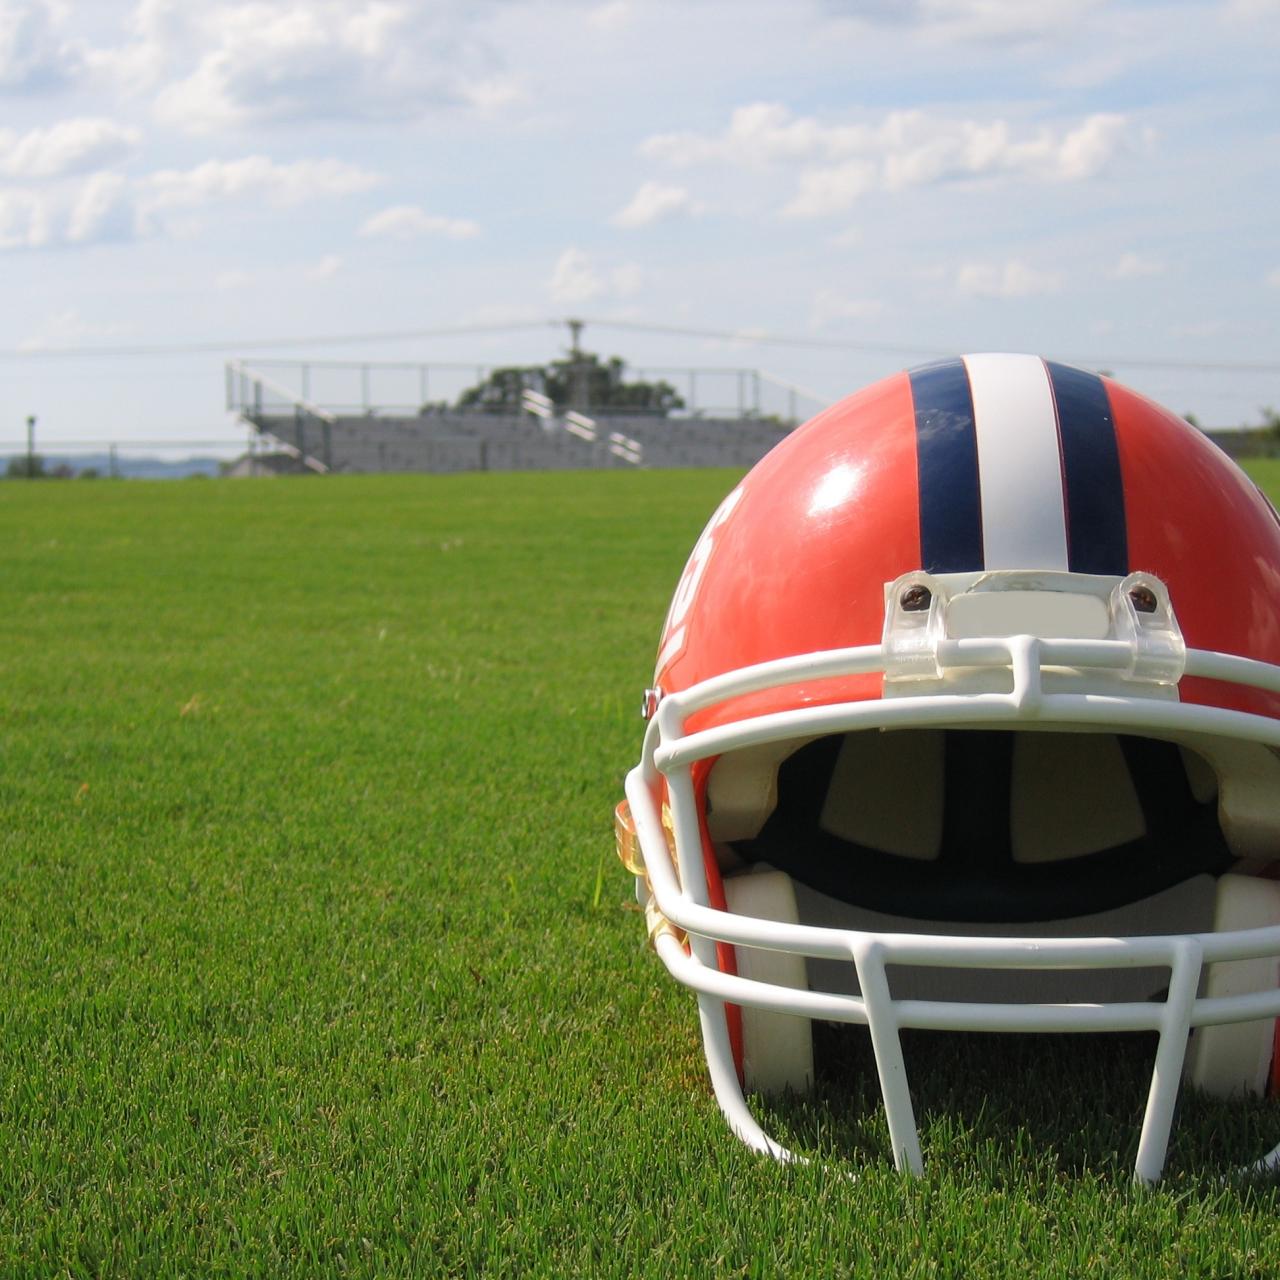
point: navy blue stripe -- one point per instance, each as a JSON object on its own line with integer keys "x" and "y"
{"x": 1097, "y": 537}
{"x": 947, "y": 466}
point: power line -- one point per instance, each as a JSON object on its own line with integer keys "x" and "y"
{"x": 263, "y": 344}
{"x": 761, "y": 338}
{"x": 746, "y": 337}
{"x": 891, "y": 348}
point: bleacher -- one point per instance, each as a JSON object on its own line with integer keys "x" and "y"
{"x": 443, "y": 442}
{"x": 297, "y": 432}
{"x": 701, "y": 442}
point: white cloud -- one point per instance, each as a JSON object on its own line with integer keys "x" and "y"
{"x": 110, "y": 206}
{"x": 69, "y": 146}
{"x": 1199, "y": 329}
{"x": 626, "y": 280}
{"x": 904, "y": 149}
{"x": 103, "y": 210}
{"x": 26, "y": 220}
{"x": 33, "y": 56}
{"x": 910, "y": 149}
{"x": 1133, "y": 266}
{"x": 830, "y": 308}
{"x": 576, "y": 278}
{"x": 654, "y": 202}
{"x": 99, "y": 208}
{"x": 233, "y": 280}
{"x": 611, "y": 16}
{"x": 833, "y": 190}
{"x": 490, "y": 95}
{"x": 309, "y": 60}
{"x": 66, "y": 328}
{"x": 1012, "y": 279}
{"x": 257, "y": 176}
{"x": 1087, "y": 150}
{"x": 325, "y": 269}
{"x": 1273, "y": 278}
{"x": 408, "y": 222}
{"x": 156, "y": 30}
{"x": 759, "y": 134}
{"x": 989, "y": 22}
{"x": 1253, "y": 10}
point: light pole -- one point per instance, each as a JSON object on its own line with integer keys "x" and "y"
{"x": 579, "y": 384}
{"x": 31, "y": 447}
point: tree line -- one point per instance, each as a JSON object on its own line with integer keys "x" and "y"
{"x": 580, "y": 381}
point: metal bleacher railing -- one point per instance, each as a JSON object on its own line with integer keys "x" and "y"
{"x": 370, "y": 416}
{"x": 399, "y": 387}
{"x": 627, "y": 448}
{"x": 258, "y": 398}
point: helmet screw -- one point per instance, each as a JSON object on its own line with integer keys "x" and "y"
{"x": 916, "y": 599}
{"x": 1144, "y": 599}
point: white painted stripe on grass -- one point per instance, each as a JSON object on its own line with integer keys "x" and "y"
{"x": 1024, "y": 522}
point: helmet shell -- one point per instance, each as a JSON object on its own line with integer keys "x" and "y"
{"x": 796, "y": 558}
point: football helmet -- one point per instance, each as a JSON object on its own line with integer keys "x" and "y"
{"x": 967, "y": 716}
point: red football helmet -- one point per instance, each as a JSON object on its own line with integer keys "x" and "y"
{"x": 975, "y": 675}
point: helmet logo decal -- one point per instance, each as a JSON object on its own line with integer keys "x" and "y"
{"x": 673, "y": 631}
{"x": 1018, "y": 468}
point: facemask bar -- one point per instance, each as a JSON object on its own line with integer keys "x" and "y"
{"x": 1098, "y": 673}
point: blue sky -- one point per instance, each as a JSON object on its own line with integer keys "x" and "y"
{"x": 1095, "y": 181}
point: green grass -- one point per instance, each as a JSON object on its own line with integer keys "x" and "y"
{"x": 317, "y": 960}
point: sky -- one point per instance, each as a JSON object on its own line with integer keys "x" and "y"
{"x": 824, "y": 190}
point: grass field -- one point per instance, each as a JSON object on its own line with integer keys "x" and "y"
{"x": 317, "y": 960}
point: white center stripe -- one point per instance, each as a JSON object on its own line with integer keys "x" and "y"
{"x": 1023, "y": 518}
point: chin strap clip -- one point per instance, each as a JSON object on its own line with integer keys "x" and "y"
{"x": 629, "y": 854}
{"x": 1142, "y": 616}
{"x": 915, "y": 623}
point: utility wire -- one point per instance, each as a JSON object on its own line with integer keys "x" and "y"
{"x": 263, "y": 344}
{"x": 761, "y": 338}
{"x": 827, "y": 344}
{"x": 747, "y": 337}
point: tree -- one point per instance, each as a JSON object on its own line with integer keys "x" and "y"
{"x": 23, "y": 468}
{"x": 580, "y": 381}
{"x": 503, "y": 390}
